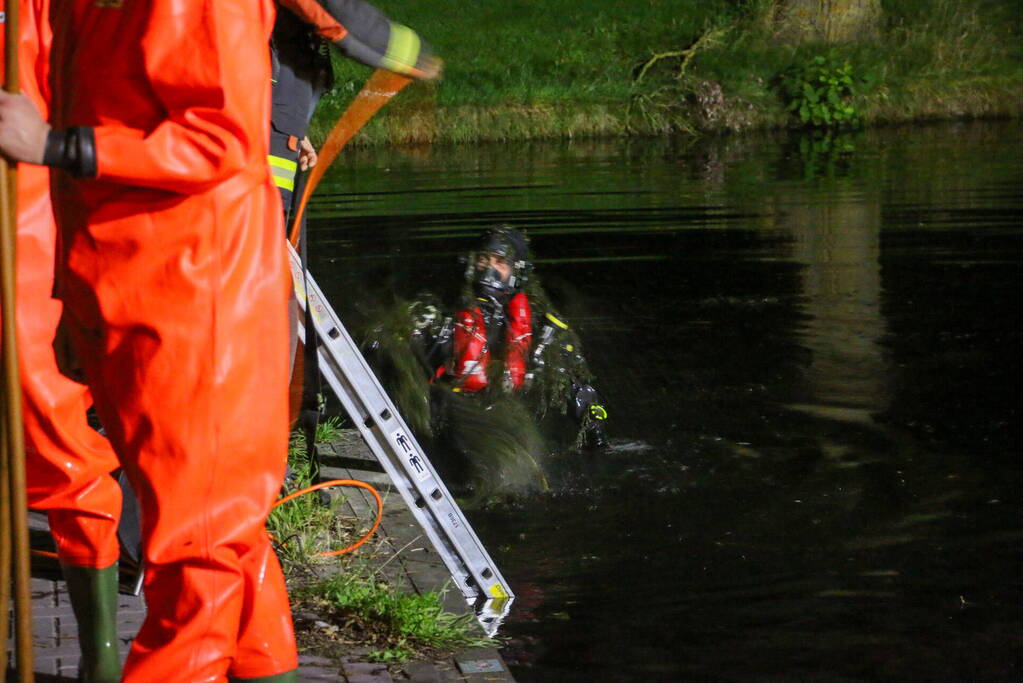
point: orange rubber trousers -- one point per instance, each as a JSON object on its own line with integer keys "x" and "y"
{"x": 175, "y": 282}
{"x": 67, "y": 463}
{"x": 190, "y": 380}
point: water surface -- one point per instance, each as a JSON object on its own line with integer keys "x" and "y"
{"x": 812, "y": 363}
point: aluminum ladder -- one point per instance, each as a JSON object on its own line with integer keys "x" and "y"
{"x": 385, "y": 432}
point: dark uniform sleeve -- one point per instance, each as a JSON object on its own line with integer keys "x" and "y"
{"x": 361, "y": 32}
{"x": 302, "y": 73}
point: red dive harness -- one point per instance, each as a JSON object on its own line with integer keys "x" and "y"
{"x": 473, "y": 341}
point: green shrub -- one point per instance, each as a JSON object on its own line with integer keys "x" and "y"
{"x": 819, "y": 91}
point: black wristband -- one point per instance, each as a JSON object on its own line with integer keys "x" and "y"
{"x": 72, "y": 150}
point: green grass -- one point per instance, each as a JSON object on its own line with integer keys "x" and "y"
{"x": 304, "y": 527}
{"x": 355, "y": 596}
{"x": 567, "y": 68}
{"x": 396, "y": 624}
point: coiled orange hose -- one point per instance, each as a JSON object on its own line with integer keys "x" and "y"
{"x": 296, "y": 494}
{"x": 341, "y": 482}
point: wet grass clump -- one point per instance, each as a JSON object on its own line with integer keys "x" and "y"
{"x": 395, "y": 625}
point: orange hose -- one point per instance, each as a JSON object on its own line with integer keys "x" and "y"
{"x": 317, "y": 487}
{"x": 342, "y": 482}
{"x": 378, "y": 90}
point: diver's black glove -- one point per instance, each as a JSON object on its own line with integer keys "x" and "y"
{"x": 591, "y": 415}
{"x": 594, "y": 436}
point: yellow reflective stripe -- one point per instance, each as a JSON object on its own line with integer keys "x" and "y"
{"x": 557, "y": 322}
{"x": 402, "y": 49}
{"x": 598, "y": 412}
{"x": 283, "y": 171}
{"x": 285, "y": 183}
{"x": 281, "y": 162}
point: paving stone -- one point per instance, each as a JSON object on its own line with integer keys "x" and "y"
{"x": 482, "y": 664}
{"x": 312, "y": 668}
{"x": 422, "y": 672}
{"x": 316, "y": 674}
{"x": 38, "y": 585}
{"x": 370, "y": 678}
{"x": 48, "y": 605}
{"x": 366, "y": 672}
{"x": 47, "y": 664}
{"x": 313, "y": 660}
{"x": 43, "y": 627}
{"x": 66, "y": 627}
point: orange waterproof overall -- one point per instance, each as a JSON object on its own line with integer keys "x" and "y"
{"x": 176, "y": 286}
{"x": 67, "y": 463}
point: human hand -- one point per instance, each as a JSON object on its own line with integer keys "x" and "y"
{"x": 430, "y": 68}
{"x": 22, "y": 130}
{"x": 307, "y": 157}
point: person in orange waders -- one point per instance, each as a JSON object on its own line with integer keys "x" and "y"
{"x": 68, "y": 464}
{"x": 175, "y": 286}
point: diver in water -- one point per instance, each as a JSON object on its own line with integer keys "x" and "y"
{"x": 507, "y": 339}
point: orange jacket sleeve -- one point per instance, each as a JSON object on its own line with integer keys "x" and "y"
{"x": 198, "y": 61}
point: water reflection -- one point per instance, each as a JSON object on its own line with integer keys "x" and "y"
{"x": 812, "y": 365}
{"x": 838, "y": 246}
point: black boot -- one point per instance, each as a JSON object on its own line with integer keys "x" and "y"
{"x": 93, "y": 595}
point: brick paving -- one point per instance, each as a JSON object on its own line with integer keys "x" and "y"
{"x": 54, "y": 630}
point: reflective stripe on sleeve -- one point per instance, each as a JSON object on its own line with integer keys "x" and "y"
{"x": 283, "y": 171}
{"x": 402, "y": 49}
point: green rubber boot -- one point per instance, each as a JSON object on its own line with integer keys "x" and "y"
{"x": 93, "y": 595}
{"x": 286, "y": 677}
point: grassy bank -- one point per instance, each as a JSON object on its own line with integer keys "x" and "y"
{"x": 568, "y": 68}
{"x": 357, "y": 604}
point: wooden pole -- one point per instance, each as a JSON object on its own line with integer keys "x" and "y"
{"x": 5, "y": 536}
{"x": 14, "y": 430}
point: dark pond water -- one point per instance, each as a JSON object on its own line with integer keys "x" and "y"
{"x": 812, "y": 363}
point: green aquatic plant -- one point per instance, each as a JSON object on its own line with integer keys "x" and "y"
{"x": 390, "y": 347}
{"x": 825, "y": 153}
{"x": 489, "y": 444}
{"x": 819, "y": 91}
{"x": 492, "y": 445}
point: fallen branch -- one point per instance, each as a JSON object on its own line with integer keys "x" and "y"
{"x": 685, "y": 55}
